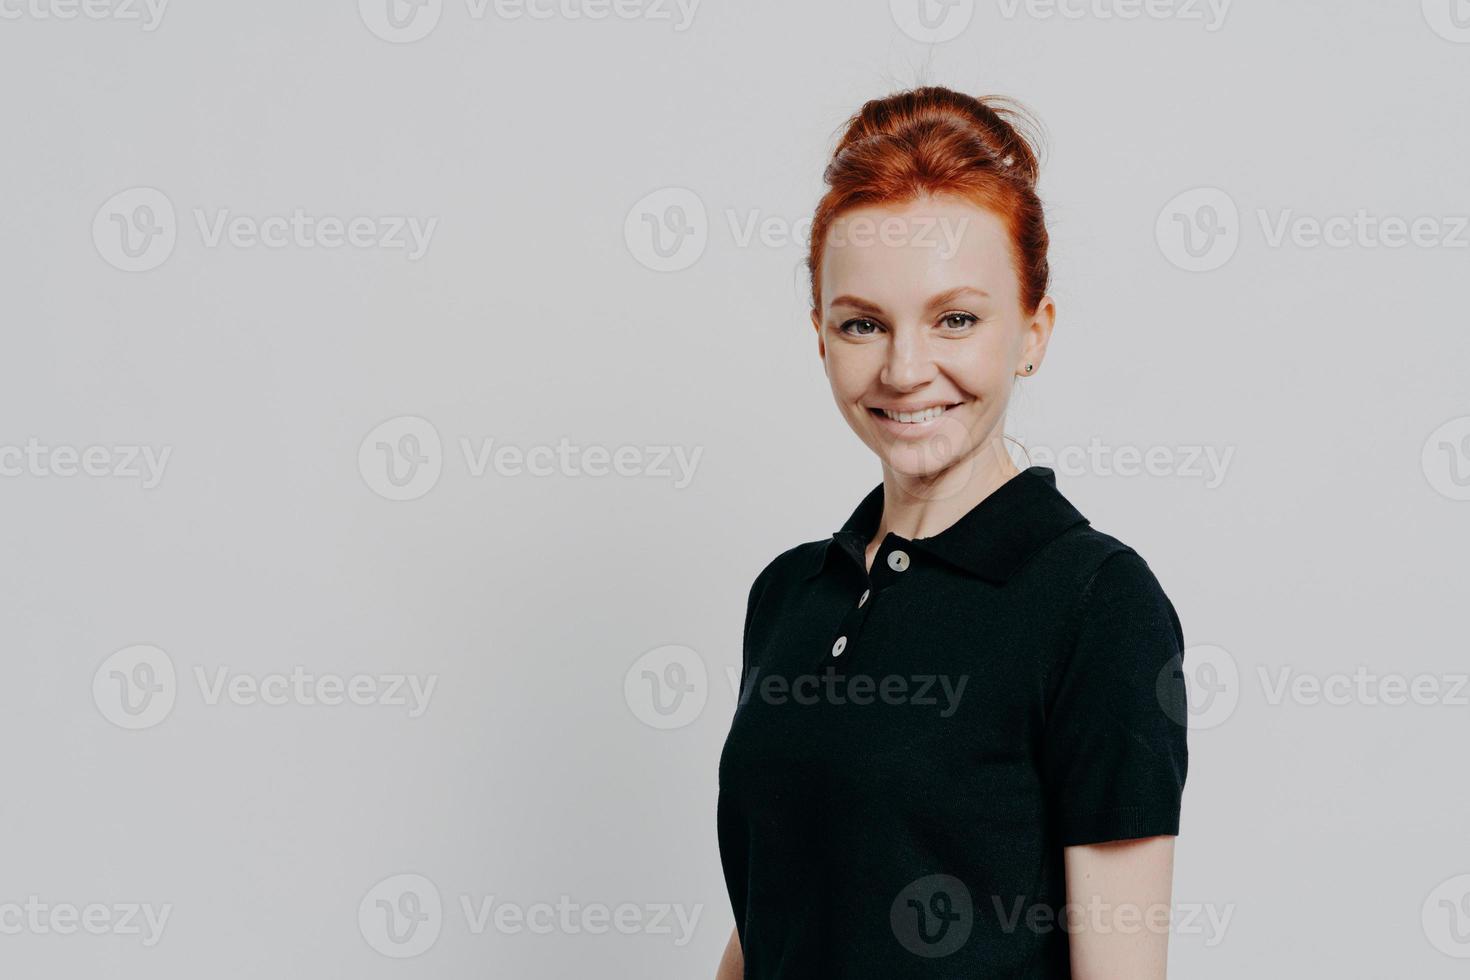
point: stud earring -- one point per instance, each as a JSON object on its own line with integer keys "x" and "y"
{"x": 1028, "y": 369}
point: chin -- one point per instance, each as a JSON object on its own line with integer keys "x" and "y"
{"x": 925, "y": 459}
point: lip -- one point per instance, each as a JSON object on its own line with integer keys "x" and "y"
{"x": 909, "y": 430}
{"x": 914, "y": 408}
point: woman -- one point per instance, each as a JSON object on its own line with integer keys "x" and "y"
{"x": 960, "y": 744}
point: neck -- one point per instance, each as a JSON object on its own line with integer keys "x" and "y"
{"x": 921, "y": 507}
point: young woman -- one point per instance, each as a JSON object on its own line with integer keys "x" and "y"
{"x": 960, "y": 744}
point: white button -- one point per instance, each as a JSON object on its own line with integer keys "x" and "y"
{"x": 898, "y": 560}
{"x": 839, "y": 646}
{"x": 864, "y": 598}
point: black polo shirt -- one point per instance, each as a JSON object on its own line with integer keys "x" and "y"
{"x": 914, "y": 746}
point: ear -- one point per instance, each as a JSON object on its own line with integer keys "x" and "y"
{"x": 821, "y": 341}
{"x": 1037, "y": 336}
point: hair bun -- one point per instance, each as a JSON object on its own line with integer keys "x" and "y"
{"x": 934, "y": 140}
{"x": 994, "y": 131}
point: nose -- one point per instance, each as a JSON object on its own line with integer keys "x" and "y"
{"x": 910, "y": 362}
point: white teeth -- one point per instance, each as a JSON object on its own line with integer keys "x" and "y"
{"x": 924, "y": 416}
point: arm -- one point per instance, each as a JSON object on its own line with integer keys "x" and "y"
{"x": 1116, "y": 760}
{"x": 1119, "y": 897}
{"x": 732, "y": 964}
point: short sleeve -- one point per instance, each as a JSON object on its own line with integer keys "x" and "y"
{"x": 1115, "y": 749}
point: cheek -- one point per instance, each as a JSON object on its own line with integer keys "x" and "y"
{"x": 979, "y": 368}
{"x": 850, "y": 373}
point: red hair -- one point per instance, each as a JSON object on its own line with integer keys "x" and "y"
{"x": 933, "y": 140}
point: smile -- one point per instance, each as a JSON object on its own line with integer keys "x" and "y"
{"x": 914, "y": 416}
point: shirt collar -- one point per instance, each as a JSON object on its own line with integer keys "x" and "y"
{"x": 992, "y": 540}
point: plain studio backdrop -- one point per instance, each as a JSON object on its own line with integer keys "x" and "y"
{"x": 398, "y": 401}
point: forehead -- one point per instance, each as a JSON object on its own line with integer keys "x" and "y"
{"x": 900, "y": 254}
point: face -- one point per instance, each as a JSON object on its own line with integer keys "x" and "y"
{"x": 922, "y": 333}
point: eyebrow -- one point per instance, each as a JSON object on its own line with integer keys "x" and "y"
{"x": 939, "y": 299}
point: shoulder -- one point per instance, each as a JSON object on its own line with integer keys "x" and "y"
{"x": 1086, "y": 549}
{"x": 780, "y": 576}
{"x": 1095, "y": 561}
{"x": 1107, "y": 582}
{"x": 1120, "y": 609}
{"x": 784, "y": 575}
{"x": 791, "y": 565}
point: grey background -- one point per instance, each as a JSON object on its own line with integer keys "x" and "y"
{"x": 1335, "y": 539}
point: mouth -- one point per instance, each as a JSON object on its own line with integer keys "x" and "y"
{"x": 912, "y": 416}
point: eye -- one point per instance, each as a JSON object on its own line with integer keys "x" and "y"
{"x": 959, "y": 321}
{"x": 851, "y": 327}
